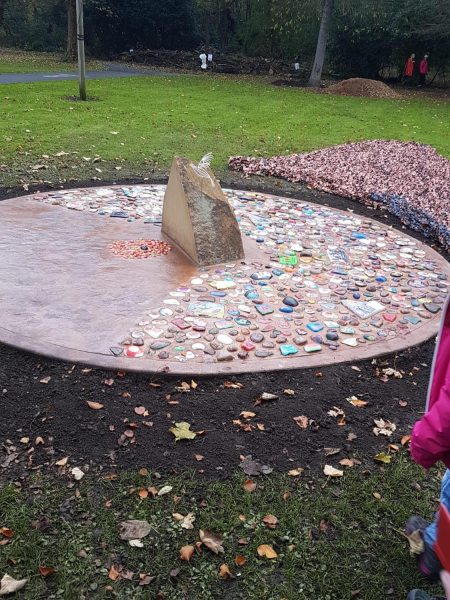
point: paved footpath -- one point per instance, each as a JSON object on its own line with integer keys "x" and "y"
{"x": 112, "y": 71}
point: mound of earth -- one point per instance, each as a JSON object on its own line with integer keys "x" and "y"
{"x": 364, "y": 88}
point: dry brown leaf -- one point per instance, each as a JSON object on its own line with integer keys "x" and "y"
{"x": 143, "y": 493}
{"x": 62, "y": 462}
{"x": 351, "y": 437}
{"x": 113, "y": 573}
{"x": 230, "y": 384}
{"x": 331, "y": 451}
{"x": 406, "y": 439}
{"x": 403, "y": 403}
{"x": 355, "y": 368}
{"x": 377, "y": 495}
{"x": 186, "y": 553}
{"x": 146, "y": 580}
{"x": 357, "y": 402}
{"x": 193, "y": 385}
{"x": 109, "y": 381}
{"x": 225, "y": 572}
{"x": 267, "y": 551}
{"x": 416, "y": 543}
{"x": 199, "y": 457}
{"x": 153, "y": 491}
{"x": 270, "y": 521}
{"x": 133, "y": 529}
{"x": 247, "y": 414}
{"x": 9, "y": 585}
{"x": 295, "y": 472}
{"x": 94, "y": 405}
{"x": 141, "y": 410}
{"x": 143, "y": 472}
{"x": 302, "y": 421}
{"x": 155, "y": 385}
{"x": 286, "y": 495}
{"x": 260, "y": 426}
{"x": 46, "y": 571}
{"x": 7, "y": 532}
{"x": 347, "y": 462}
{"x": 289, "y": 392}
{"x": 249, "y": 486}
{"x": 393, "y": 448}
{"x": 240, "y": 560}
{"x": 332, "y": 472}
{"x": 45, "y": 380}
{"x": 24, "y": 440}
{"x": 38, "y": 441}
{"x": 211, "y": 540}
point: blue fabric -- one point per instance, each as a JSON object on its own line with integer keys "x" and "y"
{"x": 431, "y": 531}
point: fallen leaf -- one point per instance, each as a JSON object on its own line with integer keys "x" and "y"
{"x": 46, "y": 571}
{"x": 94, "y": 405}
{"x": 146, "y": 580}
{"x": 393, "y": 448}
{"x": 211, "y": 540}
{"x": 270, "y": 521}
{"x": 295, "y": 472}
{"x": 289, "y": 392}
{"x": 406, "y": 439}
{"x": 247, "y": 415}
{"x": 7, "y": 532}
{"x": 199, "y": 457}
{"x": 133, "y": 530}
{"x": 351, "y": 437}
{"x": 230, "y": 384}
{"x": 416, "y": 543}
{"x": 267, "y": 551}
{"x": 302, "y": 421}
{"x": 260, "y": 426}
{"x": 240, "y": 560}
{"x": 143, "y": 472}
{"x": 165, "y": 490}
{"x": 382, "y": 457}
{"x": 286, "y": 495}
{"x": 77, "y": 473}
{"x": 347, "y": 462}
{"x": 323, "y": 526}
{"x": 243, "y": 542}
{"x": 136, "y": 543}
{"x": 155, "y": 385}
{"x": 182, "y": 431}
{"x": 85, "y": 371}
{"x": 38, "y": 441}
{"x": 45, "y": 380}
{"x": 331, "y": 451}
{"x": 109, "y": 381}
{"x": 193, "y": 385}
{"x": 357, "y": 402}
{"x": 403, "y": 403}
{"x": 140, "y": 410}
{"x": 9, "y": 585}
{"x": 24, "y": 440}
{"x": 254, "y": 467}
{"x": 143, "y": 493}
{"x": 62, "y": 462}
{"x": 186, "y": 553}
{"x": 377, "y": 495}
{"x": 225, "y": 572}
{"x": 332, "y": 472}
{"x": 355, "y": 368}
{"x": 384, "y": 427}
{"x": 114, "y": 573}
{"x": 249, "y": 486}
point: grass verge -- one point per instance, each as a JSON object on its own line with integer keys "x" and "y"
{"x": 21, "y": 61}
{"x": 138, "y": 124}
{"x": 334, "y": 539}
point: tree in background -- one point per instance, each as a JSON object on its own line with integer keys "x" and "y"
{"x": 316, "y": 73}
{"x": 71, "y": 28}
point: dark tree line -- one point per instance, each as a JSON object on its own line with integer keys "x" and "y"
{"x": 355, "y": 38}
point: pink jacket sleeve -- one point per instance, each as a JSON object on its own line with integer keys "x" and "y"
{"x": 431, "y": 436}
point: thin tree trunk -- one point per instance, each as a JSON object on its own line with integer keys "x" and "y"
{"x": 71, "y": 29}
{"x": 316, "y": 73}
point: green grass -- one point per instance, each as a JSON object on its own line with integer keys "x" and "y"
{"x": 157, "y": 117}
{"x": 360, "y": 549}
{"x": 20, "y": 61}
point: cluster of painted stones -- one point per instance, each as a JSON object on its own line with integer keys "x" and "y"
{"x": 138, "y": 249}
{"x": 326, "y": 281}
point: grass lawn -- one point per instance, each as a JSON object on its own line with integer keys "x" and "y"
{"x": 334, "y": 540}
{"x": 19, "y": 61}
{"x": 138, "y": 124}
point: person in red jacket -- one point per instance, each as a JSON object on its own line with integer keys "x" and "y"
{"x": 430, "y": 441}
{"x": 409, "y": 71}
{"x": 423, "y": 71}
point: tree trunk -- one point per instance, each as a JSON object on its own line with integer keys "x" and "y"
{"x": 316, "y": 73}
{"x": 71, "y": 28}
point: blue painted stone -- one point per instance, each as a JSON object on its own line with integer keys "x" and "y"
{"x": 261, "y": 276}
{"x": 277, "y": 272}
{"x": 315, "y": 327}
{"x": 243, "y": 322}
{"x": 289, "y": 301}
{"x": 252, "y": 295}
{"x": 356, "y": 296}
{"x": 120, "y": 215}
{"x": 369, "y": 337}
{"x": 234, "y": 313}
{"x": 412, "y": 320}
{"x": 219, "y": 294}
{"x": 318, "y": 339}
{"x": 332, "y": 336}
{"x": 286, "y": 309}
{"x": 262, "y": 283}
{"x": 381, "y": 278}
{"x": 288, "y": 350}
{"x": 347, "y": 330}
{"x": 249, "y": 287}
{"x": 415, "y": 303}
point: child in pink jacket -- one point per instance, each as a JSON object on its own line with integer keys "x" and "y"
{"x": 430, "y": 441}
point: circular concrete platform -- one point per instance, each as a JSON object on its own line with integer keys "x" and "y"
{"x": 318, "y": 286}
